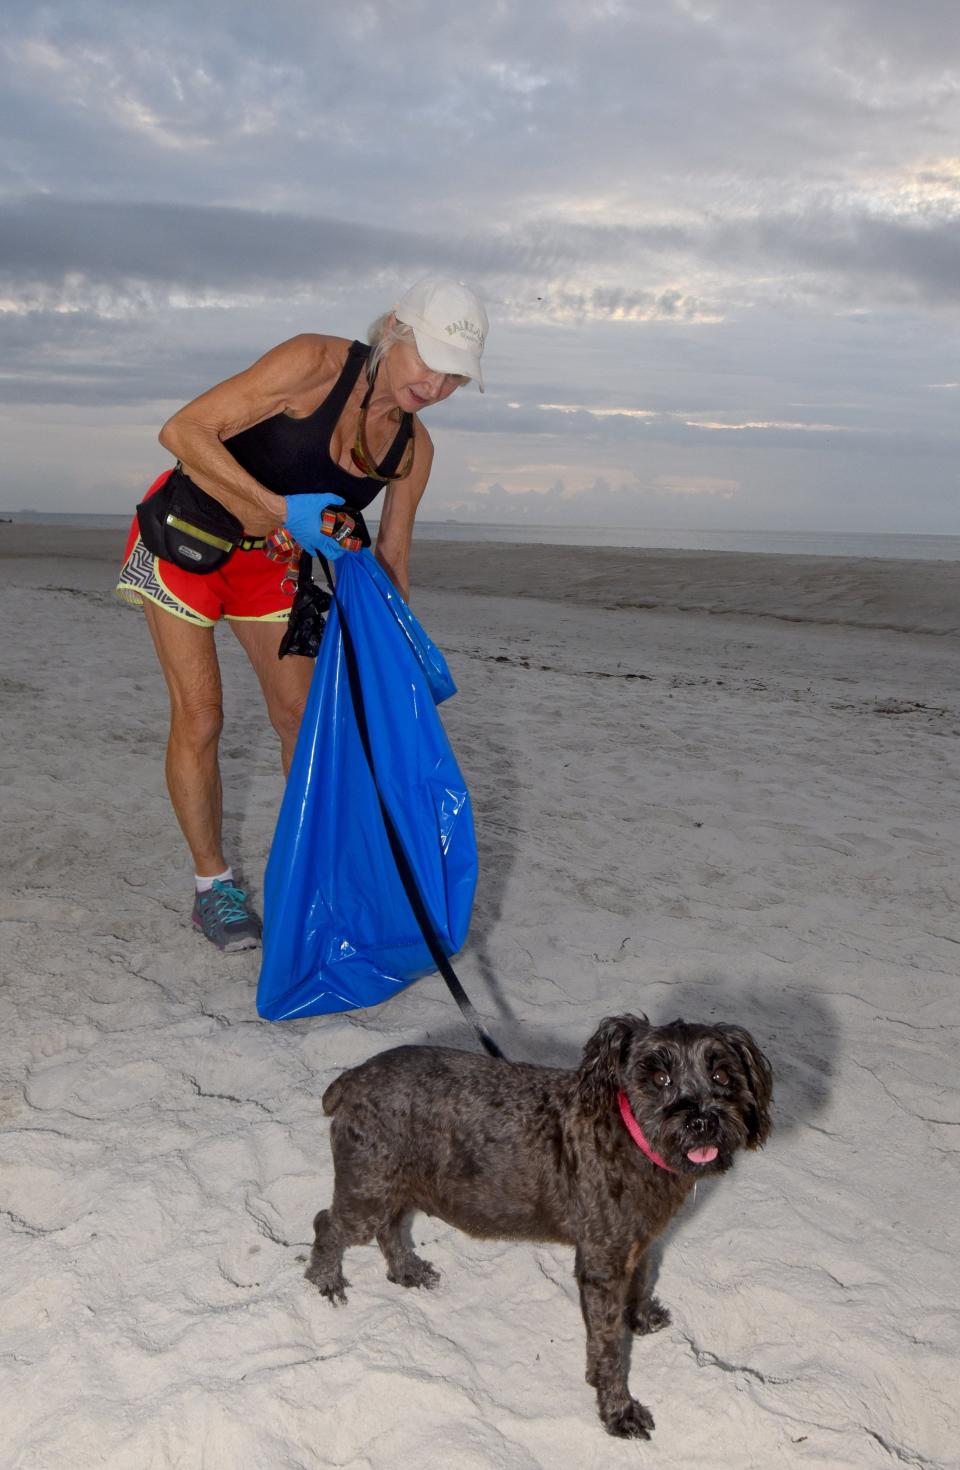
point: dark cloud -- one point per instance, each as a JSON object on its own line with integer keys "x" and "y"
{"x": 576, "y": 429}
{"x": 213, "y": 248}
{"x": 48, "y": 242}
{"x": 872, "y": 258}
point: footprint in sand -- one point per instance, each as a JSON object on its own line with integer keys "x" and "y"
{"x": 63, "y": 1073}
{"x": 49, "y": 1180}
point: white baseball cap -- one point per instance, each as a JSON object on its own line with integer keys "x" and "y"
{"x": 449, "y": 324}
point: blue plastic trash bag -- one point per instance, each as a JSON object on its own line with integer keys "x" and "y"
{"x": 339, "y": 931}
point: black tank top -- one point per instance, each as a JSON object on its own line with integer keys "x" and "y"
{"x": 292, "y": 456}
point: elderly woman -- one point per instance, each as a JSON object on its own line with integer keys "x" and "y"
{"x": 315, "y": 422}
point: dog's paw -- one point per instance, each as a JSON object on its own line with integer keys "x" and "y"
{"x": 633, "y": 1421}
{"x": 331, "y": 1284}
{"x": 650, "y": 1316}
{"x": 415, "y": 1272}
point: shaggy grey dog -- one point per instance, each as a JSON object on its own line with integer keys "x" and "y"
{"x": 599, "y": 1158}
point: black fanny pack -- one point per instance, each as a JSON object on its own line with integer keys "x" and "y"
{"x": 183, "y": 524}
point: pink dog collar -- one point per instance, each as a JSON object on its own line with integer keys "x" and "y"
{"x": 636, "y": 1133}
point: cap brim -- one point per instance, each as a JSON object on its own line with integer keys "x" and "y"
{"x": 442, "y": 357}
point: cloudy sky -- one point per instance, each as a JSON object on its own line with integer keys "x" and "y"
{"x": 719, "y": 241}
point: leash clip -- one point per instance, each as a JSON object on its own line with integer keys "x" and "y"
{"x": 341, "y": 525}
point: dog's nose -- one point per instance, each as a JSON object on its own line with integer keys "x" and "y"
{"x": 698, "y": 1124}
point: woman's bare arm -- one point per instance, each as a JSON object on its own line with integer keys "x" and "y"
{"x": 290, "y": 376}
{"x": 399, "y": 510}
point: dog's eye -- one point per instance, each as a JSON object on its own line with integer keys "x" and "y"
{"x": 660, "y": 1078}
{"x": 721, "y": 1076}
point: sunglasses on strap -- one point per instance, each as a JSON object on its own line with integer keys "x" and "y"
{"x": 361, "y": 455}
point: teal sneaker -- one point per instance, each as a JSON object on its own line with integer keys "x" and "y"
{"x": 223, "y": 916}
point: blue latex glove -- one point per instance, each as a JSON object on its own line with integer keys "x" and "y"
{"x": 303, "y": 523}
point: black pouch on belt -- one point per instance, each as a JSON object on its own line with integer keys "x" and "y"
{"x": 183, "y": 524}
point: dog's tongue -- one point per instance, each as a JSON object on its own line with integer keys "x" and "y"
{"x": 702, "y": 1155}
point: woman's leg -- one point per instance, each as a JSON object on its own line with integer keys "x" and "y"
{"x": 188, "y": 657}
{"x": 285, "y": 681}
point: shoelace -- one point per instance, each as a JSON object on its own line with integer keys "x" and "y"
{"x": 231, "y": 903}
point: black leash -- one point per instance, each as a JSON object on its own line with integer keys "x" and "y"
{"x": 410, "y": 885}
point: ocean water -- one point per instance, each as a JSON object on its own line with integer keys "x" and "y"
{"x": 886, "y": 546}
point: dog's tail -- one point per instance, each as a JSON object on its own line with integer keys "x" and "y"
{"x": 331, "y": 1098}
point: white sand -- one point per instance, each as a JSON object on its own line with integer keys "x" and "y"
{"x": 737, "y": 817}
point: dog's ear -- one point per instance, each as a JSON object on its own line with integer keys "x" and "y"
{"x": 760, "y": 1078}
{"x": 601, "y": 1066}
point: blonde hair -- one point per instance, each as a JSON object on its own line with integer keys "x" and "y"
{"x": 381, "y": 338}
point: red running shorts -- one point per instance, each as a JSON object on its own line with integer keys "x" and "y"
{"x": 249, "y": 587}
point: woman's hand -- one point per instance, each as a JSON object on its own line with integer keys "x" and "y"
{"x": 305, "y": 526}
